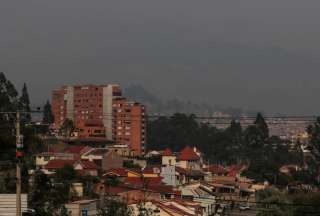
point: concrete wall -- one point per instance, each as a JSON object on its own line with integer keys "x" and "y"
{"x": 8, "y": 204}
{"x": 169, "y": 175}
{"x": 107, "y": 110}
{"x": 69, "y": 97}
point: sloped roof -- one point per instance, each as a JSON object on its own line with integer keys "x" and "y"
{"x": 152, "y": 170}
{"x": 88, "y": 165}
{"x": 188, "y": 154}
{"x": 115, "y": 190}
{"x": 59, "y": 164}
{"x": 120, "y": 172}
{"x": 77, "y": 149}
{"x": 216, "y": 169}
{"x": 167, "y": 152}
{"x": 191, "y": 173}
{"x": 139, "y": 182}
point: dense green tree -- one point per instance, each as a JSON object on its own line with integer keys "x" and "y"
{"x": 67, "y": 128}
{"x": 314, "y": 136}
{"x": 8, "y": 103}
{"x": 40, "y": 193}
{"x": 113, "y": 207}
{"x": 48, "y": 117}
{"x": 262, "y": 126}
{"x": 24, "y": 105}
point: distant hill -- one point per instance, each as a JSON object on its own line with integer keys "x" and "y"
{"x": 167, "y": 107}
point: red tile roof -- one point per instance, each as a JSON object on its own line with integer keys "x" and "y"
{"x": 188, "y": 154}
{"x": 58, "y": 164}
{"x": 216, "y": 169}
{"x": 88, "y": 165}
{"x": 167, "y": 152}
{"x": 120, "y": 172}
{"x": 117, "y": 189}
{"x": 152, "y": 170}
{"x": 75, "y": 149}
{"x": 140, "y": 182}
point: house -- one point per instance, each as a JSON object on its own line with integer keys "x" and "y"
{"x": 169, "y": 208}
{"x": 111, "y": 159}
{"x": 125, "y": 193}
{"x": 77, "y": 150}
{"x": 168, "y": 158}
{"x": 151, "y": 171}
{"x": 187, "y": 175}
{"x": 236, "y": 170}
{"x": 122, "y": 173}
{"x": 189, "y": 158}
{"x": 216, "y": 170}
{"x": 82, "y": 167}
{"x": 43, "y": 159}
{"x": 153, "y": 154}
{"x": 122, "y": 150}
{"x": 82, "y": 207}
{"x": 169, "y": 175}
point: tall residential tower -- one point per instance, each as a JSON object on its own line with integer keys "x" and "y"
{"x": 100, "y": 110}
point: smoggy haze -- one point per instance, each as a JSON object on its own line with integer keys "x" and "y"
{"x": 249, "y": 53}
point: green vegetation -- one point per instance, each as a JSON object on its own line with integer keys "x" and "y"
{"x": 113, "y": 207}
{"x": 48, "y": 117}
{"x": 253, "y": 146}
{"x": 67, "y": 128}
{"x": 274, "y": 202}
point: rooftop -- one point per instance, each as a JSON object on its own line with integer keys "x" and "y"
{"x": 188, "y": 154}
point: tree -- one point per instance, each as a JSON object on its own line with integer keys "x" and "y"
{"x": 24, "y": 104}
{"x": 8, "y": 102}
{"x": 113, "y": 207}
{"x": 262, "y": 126}
{"x": 314, "y": 136}
{"x": 40, "y": 193}
{"x": 48, "y": 117}
{"x": 67, "y": 128}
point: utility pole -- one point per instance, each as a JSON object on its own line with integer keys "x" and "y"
{"x": 18, "y": 157}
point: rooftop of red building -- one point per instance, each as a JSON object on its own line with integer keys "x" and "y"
{"x": 216, "y": 169}
{"x": 120, "y": 172}
{"x": 76, "y": 149}
{"x": 167, "y": 152}
{"x": 59, "y": 164}
{"x": 188, "y": 154}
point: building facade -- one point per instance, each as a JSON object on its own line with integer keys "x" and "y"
{"x": 101, "y": 111}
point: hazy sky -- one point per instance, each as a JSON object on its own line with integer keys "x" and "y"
{"x": 260, "y": 54}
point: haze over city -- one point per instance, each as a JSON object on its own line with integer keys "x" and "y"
{"x": 262, "y": 55}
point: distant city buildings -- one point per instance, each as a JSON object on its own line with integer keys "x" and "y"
{"x": 101, "y": 111}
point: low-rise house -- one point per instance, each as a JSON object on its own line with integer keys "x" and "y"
{"x": 189, "y": 158}
{"x": 77, "y": 150}
{"x": 168, "y": 158}
{"x": 43, "y": 159}
{"x": 170, "y": 208}
{"x": 151, "y": 172}
{"x": 185, "y": 176}
{"x": 117, "y": 173}
{"x": 169, "y": 175}
{"x": 216, "y": 170}
{"x": 111, "y": 160}
{"x": 82, "y": 207}
{"x": 82, "y": 167}
{"x": 122, "y": 150}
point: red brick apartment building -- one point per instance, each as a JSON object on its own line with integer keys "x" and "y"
{"x": 101, "y": 111}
